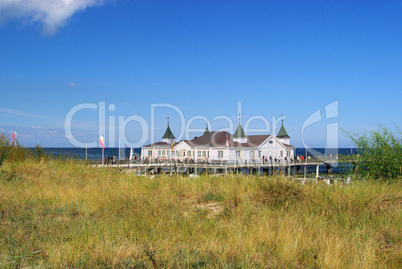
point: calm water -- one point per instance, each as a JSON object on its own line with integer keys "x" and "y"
{"x": 91, "y": 153}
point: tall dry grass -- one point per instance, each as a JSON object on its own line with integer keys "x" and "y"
{"x": 62, "y": 213}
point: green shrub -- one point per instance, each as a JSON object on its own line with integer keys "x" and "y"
{"x": 280, "y": 191}
{"x": 39, "y": 152}
{"x": 379, "y": 154}
{"x": 11, "y": 153}
{"x": 4, "y": 145}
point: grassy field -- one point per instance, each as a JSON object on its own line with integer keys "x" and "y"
{"x": 65, "y": 214}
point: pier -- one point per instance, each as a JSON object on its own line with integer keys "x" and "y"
{"x": 253, "y": 167}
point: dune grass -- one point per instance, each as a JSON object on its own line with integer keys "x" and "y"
{"x": 63, "y": 213}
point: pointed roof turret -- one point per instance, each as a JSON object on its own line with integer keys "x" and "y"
{"x": 168, "y": 133}
{"x": 240, "y": 136}
{"x": 239, "y": 132}
{"x": 206, "y": 129}
{"x": 282, "y": 133}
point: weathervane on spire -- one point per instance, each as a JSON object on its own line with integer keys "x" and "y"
{"x": 282, "y": 116}
{"x": 168, "y": 120}
{"x": 239, "y": 118}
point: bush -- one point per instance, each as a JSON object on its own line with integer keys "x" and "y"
{"x": 4, "y": 145}
{"x": 11, "y": 153}
{"x": 280, "y": 191}
{"x": 379, "y": 154}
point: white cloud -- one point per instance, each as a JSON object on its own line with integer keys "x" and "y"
{"x": 47, "y": 121}
{"x": 73, "y": 84}
{"x": 18, "y": 113}
{"x": 52, "y": 14}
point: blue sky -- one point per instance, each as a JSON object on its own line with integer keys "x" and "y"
{"x": 289, "y": 58}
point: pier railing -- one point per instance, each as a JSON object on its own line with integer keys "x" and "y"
{"x": 313, "y": 160}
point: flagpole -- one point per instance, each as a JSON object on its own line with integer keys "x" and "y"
{"x": 103, "y": 159}
{"x": 119, "y": 148}
{"x": 86, "y": 152}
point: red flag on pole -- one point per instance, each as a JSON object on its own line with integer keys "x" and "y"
{"x": 102, "y": 142}
{"x": 13, "y": 136}
{"x": 171, "y": 143}
{"x": 227, "y": 140}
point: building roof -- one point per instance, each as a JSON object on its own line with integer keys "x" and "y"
{"x": 239, "y": 132}
{"x": 168, "y": 134}
{"x": 218, "y": 139}
{"x": 255, "y": 140}
{"x": 210, "y": 139}
{"x": 282, "y": 133}
{"x": 288, "y": 146}
{"x": 160, "y": 145}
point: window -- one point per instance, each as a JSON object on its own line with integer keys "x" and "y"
{"x": 188, "y": 153}
{"x": 199, "y": 154}
{"x": 208, "y": 153}
{"x": 184, "y": 153}
{"x": 259, "y": 153}
{"x": 163, "y": 153}
{"x": 177, "y": 153}
{"x": 281, "y": 153}
{"x": 271, "y": 142}
{"x": 193, "y": 153}
{"x": 204, "y": 154}
{"x": 159, "y": 153}
{"x": 288, "y": 153}
{"x": 220, "y": 153}
{"x": 238, "y": 154}
{"x": 149, "y": 152}
{"x": 252, "y": 154}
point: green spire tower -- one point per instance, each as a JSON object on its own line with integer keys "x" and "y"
{"x": 168, "y": 136}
